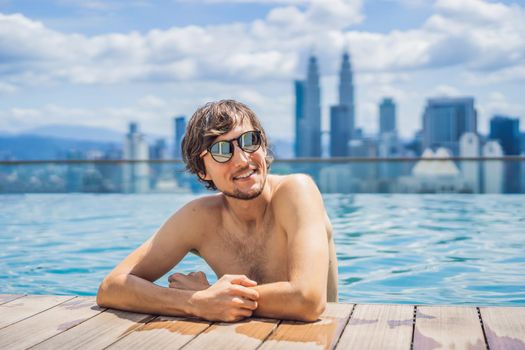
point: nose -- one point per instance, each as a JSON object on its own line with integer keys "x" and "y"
{"x": 239, "y": 155}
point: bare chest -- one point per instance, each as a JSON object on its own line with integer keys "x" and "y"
{"x": 259, "y": 254}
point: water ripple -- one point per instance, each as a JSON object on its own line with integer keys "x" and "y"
{"x": 424, "y": 249}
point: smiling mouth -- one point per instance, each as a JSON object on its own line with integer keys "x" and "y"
{"x": 245, "y": 175}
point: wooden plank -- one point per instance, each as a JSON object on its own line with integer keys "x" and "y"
{"x": 504, "y": 327}
{"x": 5, "y": 298}
{"x": 97, "y": 332}
{"x": 164, "y": 332}
{"x": 44, "y": 325}
{"x": 247, "y": 334}
{"x": 21, "y": 308}
{"x": 322, "y": 334}
{"x": 447, "y": 327}
{"x": 378, "y": 327}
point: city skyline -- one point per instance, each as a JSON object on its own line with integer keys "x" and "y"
{"x": 104, "y": 64}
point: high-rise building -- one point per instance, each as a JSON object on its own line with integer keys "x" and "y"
{"x": 446, "y": 119}
{"x": 342, "y": 116}
{"x": 339, "y": 131}
{"x": 299, "y": 117}
{"x": 158, "y": 150}
{"x": 492, "y": 169}
{"x": 469, "y": 146}
{"x": 179, "y": 124}
{"x": 308, "y": 123}
{"x": 506, "y": 131}
{"x": 387, "y": 116}
{"x": 135, "y": 175}
{"x": 346, "y": 87}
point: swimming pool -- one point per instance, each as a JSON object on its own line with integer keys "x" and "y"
{"x": 420, "y": 249}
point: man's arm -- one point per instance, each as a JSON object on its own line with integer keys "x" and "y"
{"x": 130, "y": 285}
{"x": 301, "y": 213}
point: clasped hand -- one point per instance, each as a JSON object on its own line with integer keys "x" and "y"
{"x": 229, "y": 299}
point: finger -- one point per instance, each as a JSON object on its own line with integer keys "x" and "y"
{"x": 244, "y": 313}
{"x": 174, "y": 276}
{"x": 244, "y": 292}
{"x": 245, "y": 283}
{"x": 243, "y": 280}
{"x": 202, "y": 275}
{"x": 245, "y": 303}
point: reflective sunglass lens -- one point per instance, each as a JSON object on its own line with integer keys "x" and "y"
{"x": 250, "y": 141}
{"x": 221, "y": 158}
{"x": 221, "y": 151}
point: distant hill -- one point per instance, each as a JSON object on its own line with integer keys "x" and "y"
{"x": 34, "y": 147}
{"x": 87, "y": 133}
{"x": 52, "y": 142}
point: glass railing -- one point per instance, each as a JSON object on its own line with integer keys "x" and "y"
{"x": 333, "y": 175}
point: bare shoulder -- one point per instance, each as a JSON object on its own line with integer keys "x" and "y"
{"x": 294, "y": 184}
{"x": 195, "y": 216}
{"x": 295, "y": 193}
{"x": 204, "y": 207}
{"x": 298, "y": 199}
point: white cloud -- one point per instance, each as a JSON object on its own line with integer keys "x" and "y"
{"x": 151, "y": 101}
{"x": 96, "y": 5}
{"x": 446, "y": 91}
{"x": 481, "y": 36}
{"x": 513, "y": 73}
{"x": 473, "y": 10}
{"x": 497, "y": 103}
{"x": 242, "y": 60}
{"x": 6, "y": 88}
{"x": 280, "y": 2}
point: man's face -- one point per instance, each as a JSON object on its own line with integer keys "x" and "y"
{"x": 244, "y": 175}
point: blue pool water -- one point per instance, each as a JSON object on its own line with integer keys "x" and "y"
{"x": 424, "y": 249}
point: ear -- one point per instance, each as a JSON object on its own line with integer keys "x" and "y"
{"x": 204, "y": 176}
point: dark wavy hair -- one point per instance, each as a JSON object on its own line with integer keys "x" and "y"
{"x": 206, "y": 124}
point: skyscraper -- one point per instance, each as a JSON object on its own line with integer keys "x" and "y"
{"x": 387, "y": 116}
{"x": 346, "y": 87}
{"x": 342, "y": 115}
{"x": 492, "y": 169}
{"x": 469, "y": 146}
{"x": 158, "y": 150}
{"x": 135, "y": 175}
{"x": 506, "y": 131}
{"x": 179, "y": 124}
{"x": 308, "y": 113}
{"x": 446, "y": 119}
{"x": 339, "y": 131}
{"x": 299, "y": 116}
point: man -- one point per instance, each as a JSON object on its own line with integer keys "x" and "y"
{"x": 267, "y": 237}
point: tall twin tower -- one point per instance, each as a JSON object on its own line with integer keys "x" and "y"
{"x": 308, "y": 112}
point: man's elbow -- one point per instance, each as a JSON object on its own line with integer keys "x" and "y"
{"x": 104, "y": 291}
{"x": 313, "y": 305}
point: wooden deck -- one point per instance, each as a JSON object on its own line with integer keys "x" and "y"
{"x": 66, "y": 322}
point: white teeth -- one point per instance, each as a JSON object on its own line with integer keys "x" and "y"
{"x": 245, "y": 175}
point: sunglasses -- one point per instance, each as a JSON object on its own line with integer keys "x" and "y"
{"x": 222, "y": 151}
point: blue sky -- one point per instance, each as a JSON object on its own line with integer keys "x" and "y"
{"x": 105, "y": 63}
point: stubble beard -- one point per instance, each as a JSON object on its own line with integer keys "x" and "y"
{"x": 237, "y": 194}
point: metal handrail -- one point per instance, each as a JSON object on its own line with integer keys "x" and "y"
{"x": 278, "y": 160}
